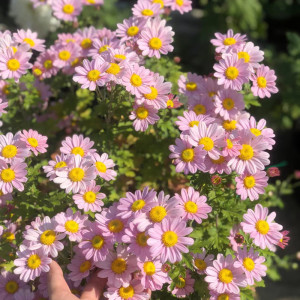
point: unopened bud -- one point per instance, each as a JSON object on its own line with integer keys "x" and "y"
{"x": 166, "y": 268}
{"x": 177, "y": 59}
{"x": 216, "y": 180}
{"x": 273, "y": 172}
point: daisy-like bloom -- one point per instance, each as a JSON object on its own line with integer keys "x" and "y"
{"x": 3, "y": 105}
{"x": 31, "y": 263}
{"x": 35, "y": 142}
{"x": 183, "y": 286}
{"x": 11, "y": 147}
{"x": 37, "y": 3}
{"x": 168, "y": 239}
{"x": 236, "y": 238}
{"x": 130, "y": 29}
{"x": 60, "y": 161}
{"x": 143, "y": 115}
{"x": 232, "y": 72}
{"x": 156, "y": 38}
{"x": 67, "y": 54}
{"x": 71, "y": 224}
{"x": 66, "y": 38}
{"x": 124, "y": 54}
{"x": 219, "y": 165}
{"x": 145, "y": 9}
{"x": 173, "y": 102}
{"x": 46, "y": 59}
{"x": 10, "y": 284}
{"x": 190, "y": 85}
{"x": 137, "y": 80}
{"x": 251, "y": 263}
{"x": 151, "y": 275}
{"x": 263, "y": 82}
{"x": 66, "y": 10}
{"x": 9, "y": 233}
{"x": 30, "y": 38}
{"x": 186, "y": 158}
{"x": 223, "y": 42}
{"x": 89, "y": 199}
{"x": 264, "y": 232}
{"x": 209, "y": 137}
{"x": 228, "y": 104}
{"x": 182, "y": 6}
{"x": 92, "y": 73}
{"x": 201, "y": 105}
{"x": 201, "y": 261}
{"x": 95, "y": 245}
{"x": 251, "y": 185}
{"x": 12, "y": 176}
{"x": 224, "y": 276}
{"x": 102, "y": 46}
{"x": 133, "y": 291}
{"x": 75, "y": 178}
{"x": 209, "y": 87}
{"x": 232, "y": 147}
{"x": 192, "y": 206}
{"x": 93, "y": 2}
{"x": 80, "y": 268}
{"x": 223, "y": 296}
{"x": 283, "y": 242}
{"x": 159, "y": 93}
{"x": 252, "y": 158}
{"x": 44, "y": 236}
{"x": 85, "y": 38}
{"x": 103, "y": 166}
{"x": 14, "y": 65}
{"x": 118, "y": 267}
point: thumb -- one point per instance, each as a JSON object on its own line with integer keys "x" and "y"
{"x": 94, "y": 288}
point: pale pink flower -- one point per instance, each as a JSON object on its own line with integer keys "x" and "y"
{"x": 104, "y": 166}
{"x": 130, "y": 29}
{"x": 93, "y": 2}
{"x": 30, "y": 38}
{"x": 209, "y": 87}
{"x": 85, "y": 38}
{"x": 66, "y": 10}
{"x": 61, "y": 161}
{"x": 202, "y": 260}
{"x": 190, "y": 85}
{"x": 3, "y": 105}
{"x": 66, "y": 38}
{"x": 219, "y": 165}
{"x": 46, "y": 60}
{"x": 66, "y": 54}
{"x": 173, "y": 102}
{"x": 284, "y": 241}
{"x": 37, "y": 3}
{"x": 145, "y": 9}
{"x": 10, "y": 284}
{"x": 264, "y": 232}
{"x": 182, "y": 6}
{"x": 220, "y": 296}
{"x": 202, "y": 105}
{"x": 232, "y": 147}
{"x": 101, "y": 47}
{"x": 236, "y": 238}
{"x": 184, "y": 286}
{"x": 124, "y": 54}
{"x": 36, "y": 142}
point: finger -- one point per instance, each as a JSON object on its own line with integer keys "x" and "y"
{"x": 94, "y": 288}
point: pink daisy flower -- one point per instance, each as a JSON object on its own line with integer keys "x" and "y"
{"x": 118, "y": 267}
{"x": 101, "y": 47}
{"x": 93, "y": 2}
{"x": 36, "y": 142}
{"x": 219, "y": 165}
{"x": 137, "y": 80}
{"x": 31, "y": 263}
{"x": 201, "y": 261}
{"x": 37, "y": 3}
{"x": 92, "y": 74}
{"x": 85, "y": 38}
{"x": 9, "y": 233}
{"x": 263, "y": 82}
{"x": 124, "y": 54}
{"x": 30, "y": 38}
{"x": 66, "y": 10}
{"x": 184, "y": 286}
{"x": 12, "y": 176}
{"x": 224, "y": 276}
{"x": 192, "y": 205}
{"x": 46, "y": 60}
{"x": 182, "y": 6}
{"x": 225, "y": 296}
{"x": 89, "y": 199}
{"x": 190, "y": 85}
{"x": 251, "y": 185}
{"x": 104, "y": 166}
{"x": 209, "y": 87}
{"x": 71, "y": 224}
{"x": 232, "y": 72}
{"x": 264, "y": 232}
{"x": 236, "y": 238}
{"x": 10, "y": 284}
{"x": 173, "y": 102}
{"x": 227, "y": 41}
{"x": 66, "y": 54}
{"x": 143, "y": 115}
{"x": 130, "y": 29}
{"x": 14, "y": 65}
{"x": 3, "y": 105}
{"x": 61, "y": 161}
{"x": 186, "y": 158}
{"x": 202, "y": 105}
{"x": 251, "y": 263}
{"x": 284, "y": 241}
{"x": 168, "y": 239}
{"x": 145, "y": 9}
{"x": 232, "y": 147}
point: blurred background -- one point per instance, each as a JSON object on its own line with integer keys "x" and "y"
{"x": 273, "y": 25}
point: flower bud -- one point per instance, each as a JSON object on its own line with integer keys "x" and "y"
{"x": 273, "y": 172}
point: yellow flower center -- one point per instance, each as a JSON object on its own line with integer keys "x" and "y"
{"x": 29, "y": 41}
{"x": 181, "y": 283}
{"x": 262, "y": 227}
{"x": 191, "y": 86}
{"x": 179, "y": 2}
{"x": 120, "y": 56}
{"x": 8, "y": 175}
{"x": 200, "y": 264}
{"x": 37, "y": 72}
{"x": 155, "y": 43}
{"x": 93, "y": 75}
{"x": 97, "y": 242}
{"x": 228, "y": 103}
{"x": 11, "y": 287}
{"x": 138, "y": 205}
{"x": 101, "y": 167}
{"x": 133, "y": 30}
{"x": 141, "y": 239}
{"x": 60, "y": 164}
{"x": 9, "y": 151}
{"x": 64, "y": 55}
{"x": 149, "y": 268}
{"x": 225, "y": 276}
{"x": 211, "y": 94}
{"x": 246, "y": 152}
{"x": 126, "y": 292}
{"x": 244, "y": 55}
{"x": 48, "y": 64}
{"x": 115, "y": 226}
{"x": 68, "y": 9}
{"x": 86, "y": 43}
{"x": 85, "y": 266}
{"x": 136, "y": 80}
{"x": 218, "y": 161}
{"x": 229, "y": 125}
{"x": 187, "y": 155}
{"x": 113, "y": 69}
{"x": 76, "y": 174}
{"x": 157, "y": 214}
{"x": 223, "y": 297}
{"x": 194, "y": 123}
{"x": 249, "y": 182}
{"x": 207, "y": 143}
{"x": 229, "y": 41}
{"x": 142, "y": 112}
{"x": 229, "y": 144}
{"x": 169, "y": 238}
{"x": 103, "y": 48}
{"x": 33, "y": 142}
{"x": 199, "y": 109}
{"x": 232, "y": 73}
{"x": 48, "y": 237}
{"x": 161, "y": 2}
{"x": 72, "y": 226}
{"x": 9, "y": 236}
{"x": 170, "y": 103}
{"x": 75, "y": 62}
{"x": 248, "y": 263}
{"x": 255, "y": 131}
{"x": 5, "y": 89}
{"x": 190, "y": 207}
{"x": 78, "y": 150}
{"x": 152, "y": 95}
{"x": 119, "y": 265}
{"x": 147, "y": 12}
{"x": 33, "y": 261}
{"x": 261, "y": 82}
{"x": 13, "y": 64}
{"x": 89, "y": 197}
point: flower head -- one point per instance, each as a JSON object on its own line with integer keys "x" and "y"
{"x": 36, "y": 142}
